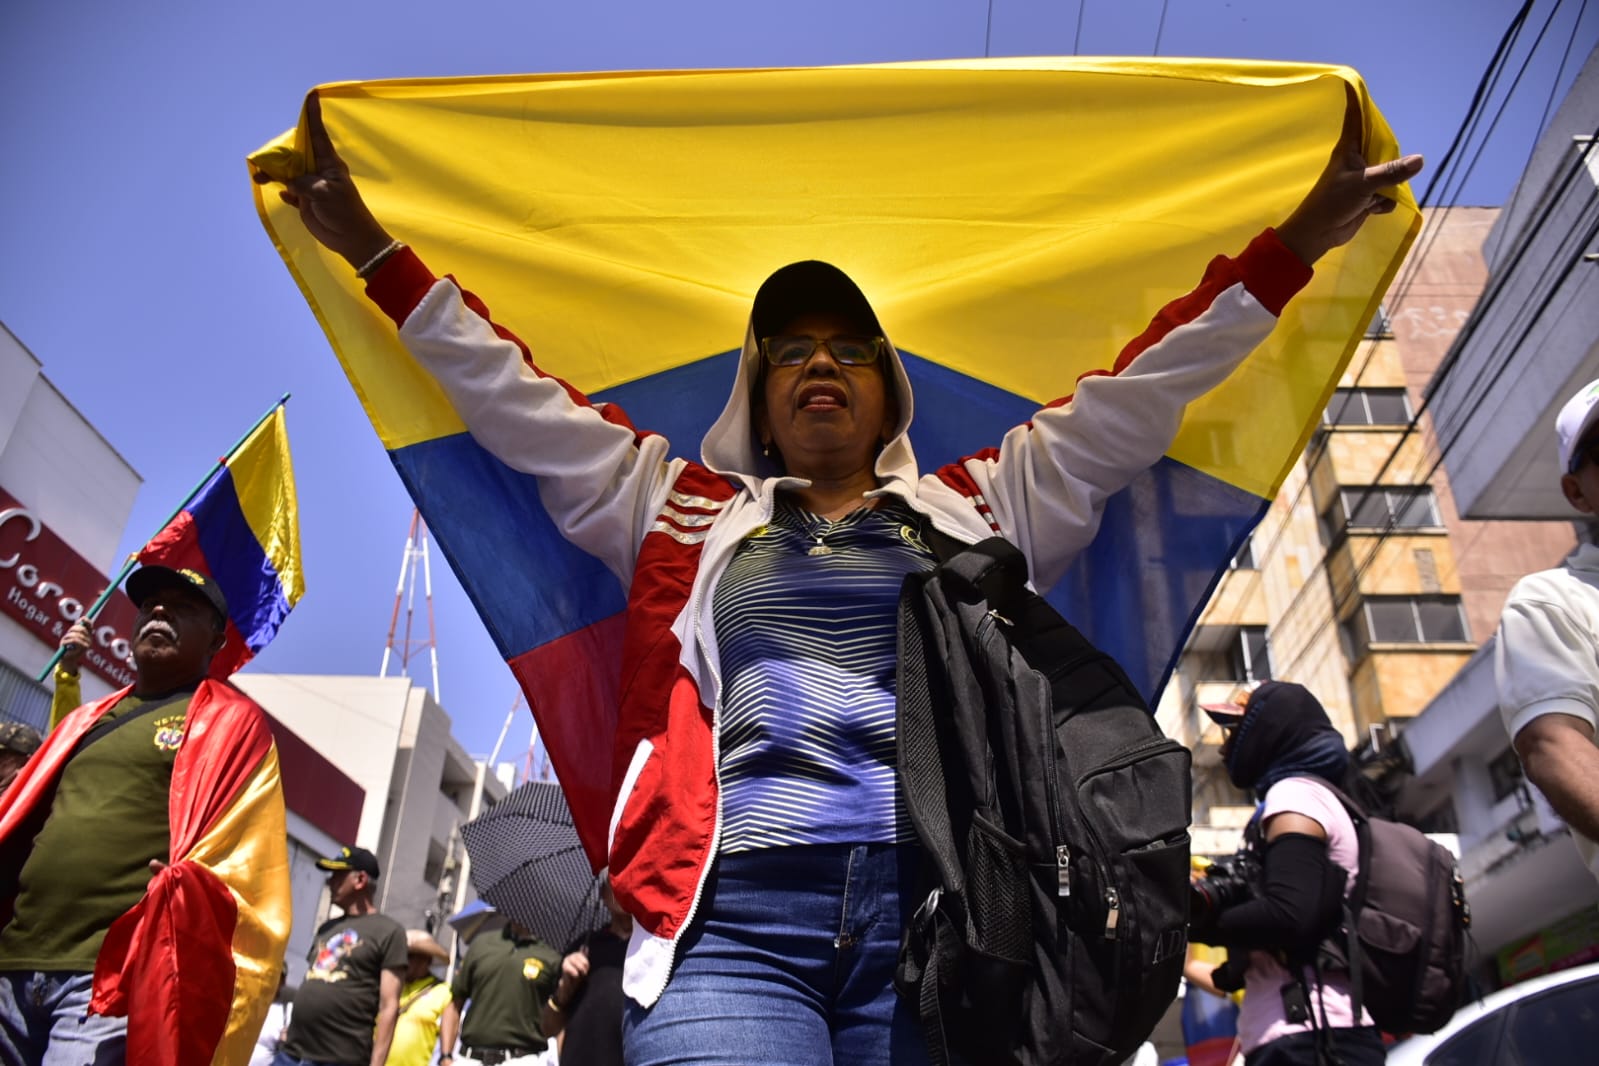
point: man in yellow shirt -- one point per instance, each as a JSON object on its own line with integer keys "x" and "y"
{"x": 423, "y": 998}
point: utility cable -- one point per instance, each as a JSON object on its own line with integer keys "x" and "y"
{"x": 1571, "y": 256}
{"x": 1400, "y": 289}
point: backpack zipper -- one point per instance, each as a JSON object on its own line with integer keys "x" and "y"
{"x": 1063, "y": 851}
{"x": 1113, "y": 901}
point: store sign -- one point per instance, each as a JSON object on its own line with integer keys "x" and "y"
{"x": 46, "y": 586}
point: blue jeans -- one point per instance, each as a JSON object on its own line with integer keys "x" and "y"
{"x": 45, "y": 1021}
{"x": 789, "y": 962}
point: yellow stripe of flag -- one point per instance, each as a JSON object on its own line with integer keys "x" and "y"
{"x": 1016, "y": 220}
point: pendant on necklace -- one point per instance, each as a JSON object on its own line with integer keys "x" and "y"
{"x": 820, "y": 549}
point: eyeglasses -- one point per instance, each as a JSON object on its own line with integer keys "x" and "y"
{"x": 795, "y": 350}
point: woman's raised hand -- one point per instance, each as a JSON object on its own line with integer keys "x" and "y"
{"x": 329, "y": 203}
{"x": 1347, "y": 193}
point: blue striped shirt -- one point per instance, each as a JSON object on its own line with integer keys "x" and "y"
{"x": 805, "y": 623}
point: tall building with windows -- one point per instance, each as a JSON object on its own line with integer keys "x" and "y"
{"x": 1531, "y": 343}
{"x": 1362, "y": 581}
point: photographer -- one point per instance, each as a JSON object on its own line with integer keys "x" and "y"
{"x": 1283, "y": 894}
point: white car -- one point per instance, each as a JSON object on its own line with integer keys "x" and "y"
{"x": 1552, "y": 1020}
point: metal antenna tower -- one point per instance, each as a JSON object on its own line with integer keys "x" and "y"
{"x": 536, "y": 764}
{"x": 414, "y": 558}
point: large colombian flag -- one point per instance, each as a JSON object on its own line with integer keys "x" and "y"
{"x": 1014, "y": 222}
{"x": 242, "y": 527}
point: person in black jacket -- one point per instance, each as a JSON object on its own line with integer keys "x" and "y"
{"x": 1275, "y": 904}
{"x": 586, "y": 1009}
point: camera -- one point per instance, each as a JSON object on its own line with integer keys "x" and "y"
{"x": 1226, "y": 883}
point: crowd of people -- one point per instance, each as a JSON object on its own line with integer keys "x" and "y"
{"x": 371, "y": 993}
{"x": 144, "y": 897}
{"x": 760, "y": 856}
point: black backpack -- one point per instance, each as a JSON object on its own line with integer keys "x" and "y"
{"x": 1054, "y": 815}
{"x": 1403, "y": 937}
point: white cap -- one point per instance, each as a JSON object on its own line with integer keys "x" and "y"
{"x": 1576, "y": 419}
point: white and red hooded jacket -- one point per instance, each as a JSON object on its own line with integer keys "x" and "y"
{"x": 668, "y": 527}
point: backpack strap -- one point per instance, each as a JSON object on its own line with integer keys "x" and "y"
{"x": 410, "y": 1001}
{"x": 921, "y": 766}
{"x": 105, "y": 729}
{"x": 1355, "y": 902}
{"x": 986, "y": 569}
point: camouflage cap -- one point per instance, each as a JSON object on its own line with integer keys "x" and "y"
{"x": 20, "y": 738}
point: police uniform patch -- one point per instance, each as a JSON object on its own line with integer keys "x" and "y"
{"x": 169, "y": 732}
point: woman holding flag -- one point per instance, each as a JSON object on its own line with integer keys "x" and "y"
{"x": 756, "y": 834}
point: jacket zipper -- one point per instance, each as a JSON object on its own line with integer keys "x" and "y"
{"x": 716, "y": 769}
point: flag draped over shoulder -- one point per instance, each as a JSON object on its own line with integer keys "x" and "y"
{"x": 242, "y": 527}
{"x": 1013, "y": 221}
{"x": 194, "y": 964}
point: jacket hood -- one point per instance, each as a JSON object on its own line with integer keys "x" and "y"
{"x": 732, "y": 446}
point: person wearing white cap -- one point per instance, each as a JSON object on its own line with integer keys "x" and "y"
{"x": 1546, "y": 660}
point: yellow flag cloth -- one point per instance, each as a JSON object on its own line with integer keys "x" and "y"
{"x": 1014, "y": 222}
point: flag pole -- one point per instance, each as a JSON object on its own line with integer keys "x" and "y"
{"x": 132, "y": 560}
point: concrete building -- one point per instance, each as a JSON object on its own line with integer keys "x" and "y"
{"x": 1363, "y": 582}
{"x": 364, "y": 760}
{"x": 65, "y": 496}
{"x": 1531, "y": 342}
{"x": 394, "y": 743}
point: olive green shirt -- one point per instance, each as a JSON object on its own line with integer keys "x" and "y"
{"x": 90, "y": 862}
{"x": 507, "y": 981}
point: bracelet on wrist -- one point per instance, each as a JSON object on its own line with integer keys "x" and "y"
{"x": 559, "y": 1008}
{"x": 366, "y": 269}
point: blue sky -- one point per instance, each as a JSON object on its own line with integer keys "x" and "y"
{"x": 133, "y": 265}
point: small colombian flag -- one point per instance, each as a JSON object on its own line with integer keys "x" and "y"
{"x": 242, "y": 527}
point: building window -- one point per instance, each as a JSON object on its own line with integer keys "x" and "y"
{"x": 22, "y": 699}
{"x": 1250, "y": 655}
{"x": 1380, "y": 326}
{"x": 1504, "y": 773}
{"x": 1380, "y": 507}
{"x": 1406, "y": 620}
{"x": 1368, "y": 407}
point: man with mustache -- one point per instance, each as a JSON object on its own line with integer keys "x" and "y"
{"x": 144, "y": 891}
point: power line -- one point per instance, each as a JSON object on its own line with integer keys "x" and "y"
{"x": 1497, "y": 286}
{"x": 1549, "y": 103}
{"x": 1408, "y": 274}
{"x": 1077, "y": 40}
{"x": 1463, "y": 136}
{"x": 1498, "y": 363}
{"x": 1160, "y": 27}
